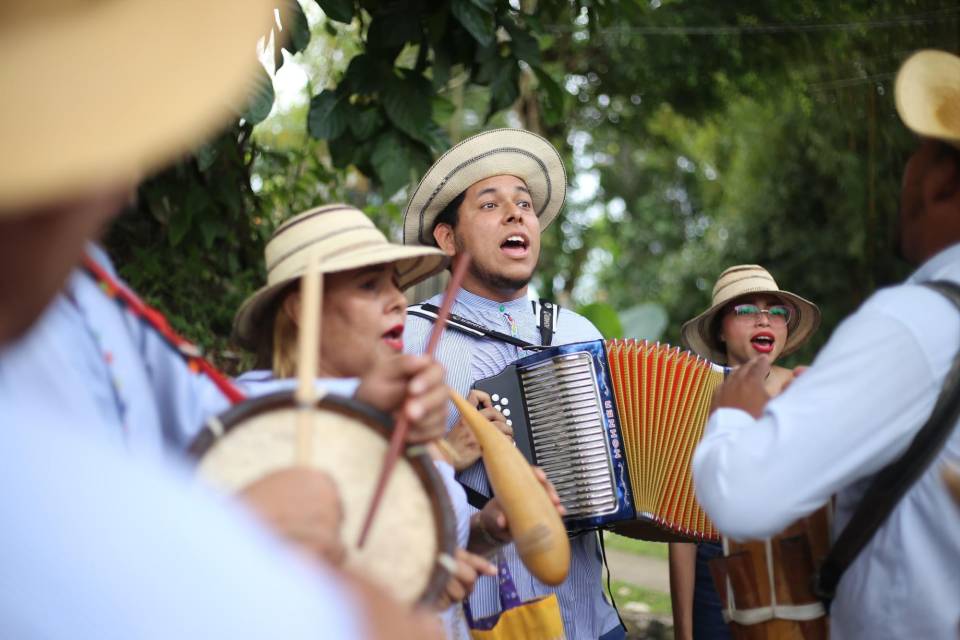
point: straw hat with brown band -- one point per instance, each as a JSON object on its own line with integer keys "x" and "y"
{"x": 101, "y": 91}
{"x": 343, "y": 238}
{"x": 496, "y": 152}
{"x": 700, "y": 333}
{"x": 927, "y": 93}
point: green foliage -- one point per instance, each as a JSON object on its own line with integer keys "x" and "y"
{"x": 696, "y": 135}
{"x": 340, "y": 10}
{"x": 380, "y": 116}
{"x": 604, "y": 317}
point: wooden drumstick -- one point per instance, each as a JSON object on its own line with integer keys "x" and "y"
{"x": 308, "y": 353}
{"x": 535, "y": 524}
{"x": 400, "y": 430}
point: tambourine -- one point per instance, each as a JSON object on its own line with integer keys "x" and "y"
{"x": 411, "y": 545}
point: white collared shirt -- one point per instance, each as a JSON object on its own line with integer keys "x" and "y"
{"x": 853, "y": 412}
{"x": 97, "y": 545}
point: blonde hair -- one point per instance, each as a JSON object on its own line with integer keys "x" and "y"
{"x": 275, "y": 338}
{"x": 284, "y": 356}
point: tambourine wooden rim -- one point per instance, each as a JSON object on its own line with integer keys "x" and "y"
{"x": 420, "y": 461}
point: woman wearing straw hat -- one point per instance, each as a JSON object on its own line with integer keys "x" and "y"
{"x": 749, "y": 316}
{"x": 361, "y": 343}
{"x": 858, "y": 412}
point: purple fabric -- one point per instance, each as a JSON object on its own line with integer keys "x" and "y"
{"x": 509, "y": 598}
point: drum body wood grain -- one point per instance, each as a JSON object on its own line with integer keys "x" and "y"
{"x": 765, "y": 586}
{"x": 415, "y": 530}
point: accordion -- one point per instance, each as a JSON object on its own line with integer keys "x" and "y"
{"x": 614, "y": 425}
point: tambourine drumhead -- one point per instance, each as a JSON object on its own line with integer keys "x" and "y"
{"x": 414, "y": 525}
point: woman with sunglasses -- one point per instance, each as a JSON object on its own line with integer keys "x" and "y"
{"x": 749, "y": 316}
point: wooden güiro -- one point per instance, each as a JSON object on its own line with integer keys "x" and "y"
{"x": 537, "y": 528}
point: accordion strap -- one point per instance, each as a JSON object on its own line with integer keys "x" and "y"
{"x": 547, "y": 314}
{"x": 893, "y": 481}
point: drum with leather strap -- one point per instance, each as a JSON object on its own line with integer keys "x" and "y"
{"x": 765, "y": 586}
{"x": 410, "y": 547}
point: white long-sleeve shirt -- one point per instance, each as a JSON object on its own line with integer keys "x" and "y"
{"x": 853, "y": 412}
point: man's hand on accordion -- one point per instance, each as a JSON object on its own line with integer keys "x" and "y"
{"x": 460, "y": 437}
{"x": 743, "y": 388}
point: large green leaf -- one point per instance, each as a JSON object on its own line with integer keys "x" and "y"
{"x": 645, "y": 321}
{"x": 328, "y": 117}
{"x": 339, "y": 10}
{"x": 394, "y": 28}
{"x": 261, "y": 98}
{"x": 523, "y": 45}
{"x": 364, "y": 123}
{"x": 504, "y": 89}
{"x": 398, "y": 161}
{"x": 476, "y": 20}
{"x": 551, "y": 96}
{"x": 366, "y": 74}
{"x": 407, "y": 103}
{"x": 297, "y": 27}
{"x": 604, "y": 317}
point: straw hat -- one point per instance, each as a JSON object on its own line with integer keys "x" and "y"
{"x": 344, "y": 238}
{"x": 497, "y": 152}
{"x": 97, "y": 91}
{"x": 699, "y": 333}
{"x": 928, "y": 95}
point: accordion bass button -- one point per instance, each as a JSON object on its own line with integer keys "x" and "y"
{"x": 495, "y": 397}
{"x": 506, "y": 401}
{"x": 509, "y": 423}
{"x": 506, "y": 412}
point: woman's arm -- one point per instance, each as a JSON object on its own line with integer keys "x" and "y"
{"x": 683, "y": 573}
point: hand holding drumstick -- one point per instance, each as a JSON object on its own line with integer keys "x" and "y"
{"x": 411, "y": 386}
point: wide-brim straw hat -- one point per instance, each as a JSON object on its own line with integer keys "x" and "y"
{"x": 100, "y": 92}
{"x": 513, "y": 152}
{"x": 343, "y": 238}
{"x": 700, "y": 335}
{"x": 927, "y": 93}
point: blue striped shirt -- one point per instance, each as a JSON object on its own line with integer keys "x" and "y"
{"x": 586, "y": 613}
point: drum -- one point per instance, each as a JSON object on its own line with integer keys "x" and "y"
{"x": 411, "y": 544}
{"x": 765, "y": 586}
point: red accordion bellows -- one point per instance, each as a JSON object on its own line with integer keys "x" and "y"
{"x": 663, "y": 398}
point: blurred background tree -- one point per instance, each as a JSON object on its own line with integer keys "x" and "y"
{"x": 697, "y": 135}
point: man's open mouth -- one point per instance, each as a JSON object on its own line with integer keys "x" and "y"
{"x": 515, "y": 244}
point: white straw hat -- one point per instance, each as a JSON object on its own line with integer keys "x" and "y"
{"x": 96, "y": 91}
{"x": 344, "y": 238}
{"x": 700, "y": 335}
{"x": 496, "y": 152}
{"x": 928, "y": 95}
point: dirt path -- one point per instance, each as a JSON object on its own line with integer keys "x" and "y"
{"x": 643, "y": 571}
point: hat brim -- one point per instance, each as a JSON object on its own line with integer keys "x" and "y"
{"x": 927, "y": 93}
{"x": 513, "y": 152}
{"x": 414, "y": 264}
{"x": 696, "y": 334}
{"x": 118, "y": 89}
